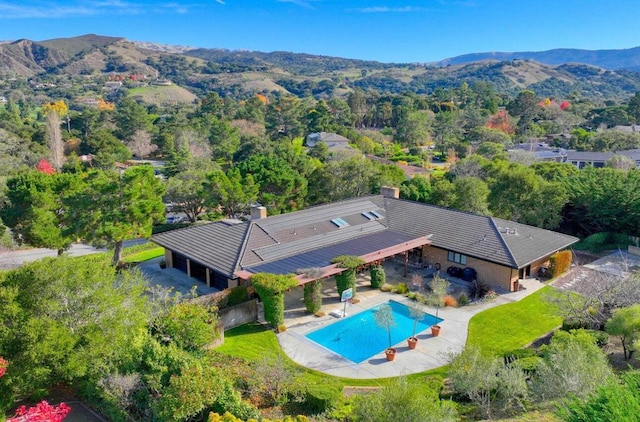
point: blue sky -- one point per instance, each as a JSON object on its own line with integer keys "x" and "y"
{"x": 383, "y": 30}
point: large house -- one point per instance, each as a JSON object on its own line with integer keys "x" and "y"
{"x": 226, "y": 253}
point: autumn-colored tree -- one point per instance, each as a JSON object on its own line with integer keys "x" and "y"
{"x": 502, "y": 122}
{"x": 45, "y": 167}
{"x": 105, "y": 105}
{"x": 60, "y": 107}
{"x": 263, "y": 99}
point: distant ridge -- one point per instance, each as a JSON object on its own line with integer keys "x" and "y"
{"x": 611, "y": 74}
{"x": 628, "y": 58}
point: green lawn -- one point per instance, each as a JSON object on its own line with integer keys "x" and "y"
{"x": 145, "y": 255}
{"x": 496, "y": 330}
{"x": 511, "y": 326}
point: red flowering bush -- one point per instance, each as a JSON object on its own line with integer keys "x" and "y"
{"x": 41, "y": 412}
{"x": 3, "y": 366}
{"x": 45, "y": 167}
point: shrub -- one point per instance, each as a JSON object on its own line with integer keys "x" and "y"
{"x": 599, "y": 242}
{"x": 463, "y": 300}
{"x": 411, "y": 295}
{"x": 560, "y": 262}
{"x": 528, "y": 365}
{"x": 347, "y": 279}
{"x": 321, "y": 398}
{"x": 402, "y": 288}
{"x": 601, "y": 337}
{"x": 386, "y": 287}
{"x": 575, "y": 323}
{"x": 271, "y": 288}
{"x": 478, "y": 289}
{"x": 237, "y": 295}
{"x": 313, "y": 296}
{"x": 513, "y": 355}
{"x": 189, "y": 326}
{"x": 450, "y": 301}
{"x": 378, "y": 276}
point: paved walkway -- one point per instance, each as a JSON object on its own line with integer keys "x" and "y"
{"x": 431, "y": 352}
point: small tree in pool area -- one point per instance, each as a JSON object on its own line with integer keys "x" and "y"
{"x": 347, "y": 279}
{"x": 416, "y": 313}
{"x": 385, "y": 319}
{"x": 439, "y": 287}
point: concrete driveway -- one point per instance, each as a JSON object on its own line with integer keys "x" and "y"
{"x": 171, "y": 278}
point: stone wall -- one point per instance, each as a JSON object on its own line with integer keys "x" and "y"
{"x": 234, "y": 316}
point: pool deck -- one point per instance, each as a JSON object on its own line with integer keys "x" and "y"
{"x": 430, "y": 353}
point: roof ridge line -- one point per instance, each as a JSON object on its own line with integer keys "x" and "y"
{"x": 504, "y": 242}
{"x": 245, "y": 240}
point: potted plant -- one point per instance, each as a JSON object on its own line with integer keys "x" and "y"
{"x": 384, "y": 318}
{"x": 416, "y": 312}
{"x": 439, "y": 287}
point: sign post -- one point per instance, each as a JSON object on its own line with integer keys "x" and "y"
{"x": 346, "y": 295}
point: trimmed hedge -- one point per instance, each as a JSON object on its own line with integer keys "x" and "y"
{"x": 378, "y": 276}
{"x": 313, "y": 296}
{"x": 347, "y": 279}
{"x": 271, "y": 288}
{"x": 560, "y": 262}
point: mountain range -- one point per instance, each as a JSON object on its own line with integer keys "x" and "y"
{"x": 628, "y": 59}
{"x": 597, "y": 74}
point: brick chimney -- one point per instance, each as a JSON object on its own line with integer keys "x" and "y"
{"x": 390, "y": 192}
{"x": 258, "y": 213}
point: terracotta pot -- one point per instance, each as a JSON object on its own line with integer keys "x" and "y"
{"x": 412, "y": 342}
{"x": 390, "y": 353}
{"x": 435, "y": 330}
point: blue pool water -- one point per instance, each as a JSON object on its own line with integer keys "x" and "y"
{"x": 358, "y": 337}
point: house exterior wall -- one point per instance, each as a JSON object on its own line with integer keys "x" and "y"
{"x": 535, "y": 266}
{"x": 493, "y": 274}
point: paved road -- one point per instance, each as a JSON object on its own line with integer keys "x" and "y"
{"x": 13, "y": 259}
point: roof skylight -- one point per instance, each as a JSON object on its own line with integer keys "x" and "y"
{"x": 340, "y": 222}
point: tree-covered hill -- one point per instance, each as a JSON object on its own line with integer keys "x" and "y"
{"x": 242, "y": 74}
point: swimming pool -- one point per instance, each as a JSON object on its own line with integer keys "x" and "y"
{"x": 358, "y": 337}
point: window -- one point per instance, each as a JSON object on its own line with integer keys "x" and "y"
{"x": 458, "y": 258}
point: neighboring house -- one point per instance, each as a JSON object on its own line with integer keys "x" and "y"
{"x": 226, "y": 253}
{"x": 542, "y": 151}
{"x": 581, "y": 159}
{"x": 338, "y": 145}
{"x": 627, "y": 129}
